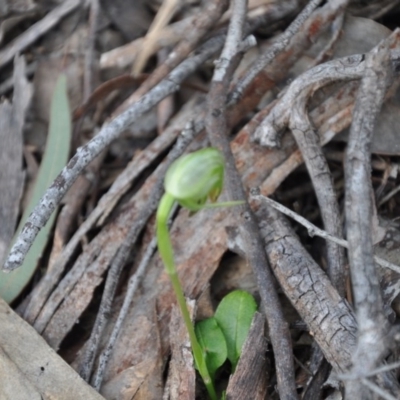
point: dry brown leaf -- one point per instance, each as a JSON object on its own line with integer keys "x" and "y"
{"x": 11, "y": 378}
{"x": 39, "y": 365}
{"x": 138, "y": 374}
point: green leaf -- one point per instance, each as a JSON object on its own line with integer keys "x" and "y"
{"x": 54, "y": 159}
{"x": 234, "y": 315}
{"x": 213, "y": 344}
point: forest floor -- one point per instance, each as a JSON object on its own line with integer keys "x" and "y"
{"x": 301, "y": 99}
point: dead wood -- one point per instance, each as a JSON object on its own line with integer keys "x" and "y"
{"x": 217, "y": 128}
{"x": 248, "y": 379}
{"x": 181, "y": 376}
{"x": 329, "y": 317}
{"x": 37, "y": 367}
{"x": 372, "y": 324}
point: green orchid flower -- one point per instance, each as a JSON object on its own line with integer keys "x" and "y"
{"x": 190, "y": 181}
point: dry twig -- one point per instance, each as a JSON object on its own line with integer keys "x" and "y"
{"x": 217, "y": 128}
{"x": 373, "y": 326}
{"x": 309, "y": 32}
{"x": 37, "y": 30}
{"x": 203, "y": 22}
{"x": 315, "y": 231}
{"x": 328, "y": 316}
{"x": 132, "y": 287}
{"x": 164, "y": 15}
{"x": 343, "y": 69}
{"x": 281, "y": 43}
{"x": 88, "y": 84}
{"x": 317, "y": 167}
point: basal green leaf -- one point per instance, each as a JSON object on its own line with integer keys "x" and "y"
{"x": 213, "y": 344}
{"x": 234, "y": 315}
{"x": 54, "y": 159}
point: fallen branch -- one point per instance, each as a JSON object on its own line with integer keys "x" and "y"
{"x": 373, "y": 325}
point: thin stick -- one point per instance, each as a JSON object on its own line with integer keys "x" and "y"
{"x": 233, "y": 39}
{"x": 90, "y": 50}
{"x": 389, "y": 196}
{"x": 315, "y": 231}
{"x": 376, "y": 371}
{"x": 342, "y": 69}
{"x": 132, "y": 287}
{"x": 164, "y": 15}
{"x": 37, "y": 30}
{"x": 373, "y": 325}
{"x": 203, "y": 22}
{"x": 318, "y": 169}
{"x": 275, "y": 49}
{"x": 327, "y": 51}
{"x": 376, "y": 389}
{"x": 216, "y": 124}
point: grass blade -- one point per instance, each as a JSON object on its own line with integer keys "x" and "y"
{"x": 54, "y": 159}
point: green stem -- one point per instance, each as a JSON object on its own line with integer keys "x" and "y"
{"x": 166, "y": 253}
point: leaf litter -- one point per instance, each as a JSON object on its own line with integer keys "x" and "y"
{"x": 150, "y": 358}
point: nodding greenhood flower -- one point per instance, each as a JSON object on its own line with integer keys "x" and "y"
{"x": 193, "y": 178}
{"x": 189, "y": 181}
